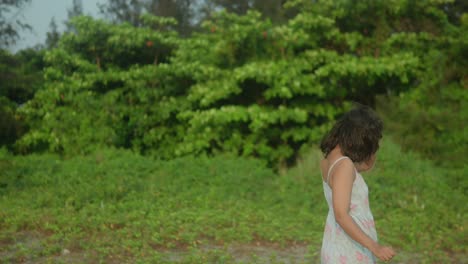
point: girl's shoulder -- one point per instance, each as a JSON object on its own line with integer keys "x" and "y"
{"x": 341, "y": 169}
{"x": 340, "y": 165}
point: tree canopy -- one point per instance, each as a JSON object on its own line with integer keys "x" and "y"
{"x": 10, "y": 21}
{"x": 250, "y": 83}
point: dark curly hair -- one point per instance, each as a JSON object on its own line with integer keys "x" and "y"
{"x": 357, "y": 133}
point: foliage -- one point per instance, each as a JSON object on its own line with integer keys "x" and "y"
{"x": 130, "y": 11}
{"x": 20, "y": 74}
{"x": 10, "y": 127}
{"x": 243, "y": 85}
{"x": 85, "y": 76}
{"x": 53, "y": 36}
{"x": 20, "y": 78}
{"x": 272, "y": 9}
{"x": 114, "y": 205}
{"x": 430, "y": 117}
{"x": 75, "y": 10}
{"x": 10, "y": 24}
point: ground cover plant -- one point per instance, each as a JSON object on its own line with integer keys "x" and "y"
{"x": 116, "y": 206}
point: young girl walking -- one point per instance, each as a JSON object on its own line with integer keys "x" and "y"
{"x": 350, "y": 148}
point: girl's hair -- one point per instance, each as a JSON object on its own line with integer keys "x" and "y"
{"x": 357, "y": 133}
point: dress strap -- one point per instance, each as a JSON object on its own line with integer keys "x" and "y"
{"x": 331, "y": 167}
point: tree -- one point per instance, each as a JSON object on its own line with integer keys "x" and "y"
{"x": 239, "y": 7}
{"x": 10, "y": 24}
{"x": 272, "y": 9}
{"x": 181, "y": 10}
{"x": 20, "y": 78}
{"x": 242, "y": 85}
{"x": 113, "y": 68}
{"x": 74, "y": 11}
{"x": 131, "y": 10}
{"x": 53, "y": 36}
{"x": 119, "y": 11}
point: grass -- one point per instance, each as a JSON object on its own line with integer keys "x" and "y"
{"x": 118, "y": 207}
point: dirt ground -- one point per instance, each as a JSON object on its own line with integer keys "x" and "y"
{"x": 27, "y": 248}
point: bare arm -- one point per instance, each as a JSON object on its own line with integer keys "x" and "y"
{"x": 341, "y": 182}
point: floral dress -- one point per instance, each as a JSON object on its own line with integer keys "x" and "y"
{"x": 337, "y": 246}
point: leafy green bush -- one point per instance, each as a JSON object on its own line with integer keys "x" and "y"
{"x": 431, "y": 117}
{"x": 20, "y": 78}
{"x": 10, "y": 127}
{"x": 242, "y": 85}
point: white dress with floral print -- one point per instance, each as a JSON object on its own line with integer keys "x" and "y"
{"x": 337, "y": 246}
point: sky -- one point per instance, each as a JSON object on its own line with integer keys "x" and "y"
{"x": 38, "y": 15}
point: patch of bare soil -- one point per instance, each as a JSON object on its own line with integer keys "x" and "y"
{"x": 28, "y": 247}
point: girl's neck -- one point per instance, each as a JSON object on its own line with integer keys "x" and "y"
{"x": 335, "y": 153}
{"x": 360, "y": 166}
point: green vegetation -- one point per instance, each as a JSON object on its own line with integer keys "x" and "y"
{"x": 117, "y": 205}
{"x": 242, "y": 84}
{"x": 246, "y": 86}
{"x": 152, "y": 139}
{"x": 20, "y": 79}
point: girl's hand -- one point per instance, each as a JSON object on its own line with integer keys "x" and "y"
{"x": 383, "y": 252}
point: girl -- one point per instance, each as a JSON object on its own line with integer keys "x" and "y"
{"x": 350, "y": 148}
